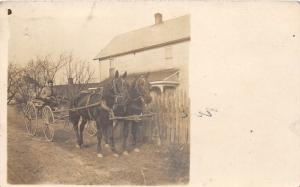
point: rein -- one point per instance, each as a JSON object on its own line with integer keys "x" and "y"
{"x": 88, "y": 109}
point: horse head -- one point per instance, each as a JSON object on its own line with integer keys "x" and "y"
{"x": 120, "y": 91}
{"x": 142, "y": 89}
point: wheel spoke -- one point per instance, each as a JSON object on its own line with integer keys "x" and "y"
{"x": 30, "y": 118}
{"x": 48, "y": 119}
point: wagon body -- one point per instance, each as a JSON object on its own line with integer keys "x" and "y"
{"x": 37, "y": 111}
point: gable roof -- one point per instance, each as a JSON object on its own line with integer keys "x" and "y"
{"x": 157, "y": 35}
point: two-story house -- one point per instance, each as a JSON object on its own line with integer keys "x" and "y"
{"x": 161, "y": 49}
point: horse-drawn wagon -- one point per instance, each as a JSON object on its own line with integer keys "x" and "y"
{"x": 36, "y": 111}
{"x": 107, "y": 106}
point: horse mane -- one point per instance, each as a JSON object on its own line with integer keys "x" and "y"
{"x": 133, "y": 90}
{"x": 133, "y": 84}
{"x": 107, "y": 87}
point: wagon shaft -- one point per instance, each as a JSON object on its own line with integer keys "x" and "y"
{"x": 78, "y": 108}
{"x": 132, "y": 117}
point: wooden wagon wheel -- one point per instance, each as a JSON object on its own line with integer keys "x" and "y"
{"x": 91, "y": 128}
{"x": 48, "y": 120}
{"x": 30, "y": 118}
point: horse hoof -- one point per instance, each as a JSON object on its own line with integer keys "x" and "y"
{"x": 106, "y": 145}
{"x": 136, "y": 150}
{"x": 99, "y": 155}
{"x": 125, "y": 153}
{"x": 116, "y": 155}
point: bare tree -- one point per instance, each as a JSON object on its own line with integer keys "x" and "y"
{"x": 42, "y": 69}
{"x": 19, "y": 84}
{"x": 24, "y": 83}
{"x": 80, "y": 72}
{"x": 25, "y": 89}
{"x": 14, "y": 81}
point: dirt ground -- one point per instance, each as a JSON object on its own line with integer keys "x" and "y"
{"x": 32, "y": 160}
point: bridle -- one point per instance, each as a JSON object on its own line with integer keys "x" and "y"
{"x": 138, "y": 90}
{"x": 117, "y": 94}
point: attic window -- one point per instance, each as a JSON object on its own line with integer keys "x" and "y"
{"x": 168, "y": 52}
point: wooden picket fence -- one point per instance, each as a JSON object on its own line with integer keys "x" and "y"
{"x": 172, "y": 122}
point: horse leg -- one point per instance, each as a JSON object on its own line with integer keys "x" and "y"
{"x": 81, "y": 129}
{"x": 75, "y": 120}
{"x": 109, "y": 135}
{"x": 134, "y": 127}
{"x": 125, "y": 137}
{"x": 99, "y": 138}
{"x": 106, "y": 134}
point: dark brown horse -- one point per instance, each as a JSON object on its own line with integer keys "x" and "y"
{"x": 112, "y": 101}
{"x": 139, "y": 92}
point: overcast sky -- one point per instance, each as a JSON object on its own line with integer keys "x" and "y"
{"x": 83, "y": 28}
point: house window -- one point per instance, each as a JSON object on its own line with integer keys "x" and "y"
{"x": 168, "y": 52}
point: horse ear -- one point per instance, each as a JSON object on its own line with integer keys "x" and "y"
{"x": 117, "y": 74}
{"x": 124, "y": 74}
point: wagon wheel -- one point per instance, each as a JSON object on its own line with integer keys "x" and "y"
{"x": 31, "y": 119}
{"x": 91, "y": 128}
{"x": 48, "y": 119}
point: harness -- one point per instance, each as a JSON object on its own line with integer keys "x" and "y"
{"x": 87, "y": 105}
{"x": 88, "y": 108}
{"x": 134, "y": 105}
{"x": 118, "y": 95}
{"x": 137, "y": 88}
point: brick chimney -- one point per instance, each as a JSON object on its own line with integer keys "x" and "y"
{"x": 158, "y": 18}
{"x": 112, "y": 72}
{"x": 70, "y": 80}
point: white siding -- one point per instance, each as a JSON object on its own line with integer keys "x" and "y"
{"x": 150, "y": 60}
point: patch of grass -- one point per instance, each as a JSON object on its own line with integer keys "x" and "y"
{"x": 178, "y": 162}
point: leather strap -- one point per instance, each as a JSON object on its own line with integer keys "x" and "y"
{"x": 88, "y": 108}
